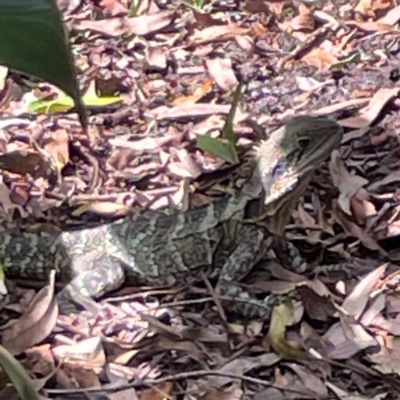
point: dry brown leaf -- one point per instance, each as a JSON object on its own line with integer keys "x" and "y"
{"x": 347, "y": 184}
{"x": 304, "y": 21}
{"x": 72, "y": 377}
{"x": 387, "y": 359}
{"x": 256, "y": 6}
{"x": 313, "y": 340}
{"x": 393, "y": 177}
{"x": 232, "y": 392}
{"x": 362, "y": 208}
{"x": 356, "y": 301}
{"x": 40, "y": 361}
{"x": 34, "y": 163}
{"x": 371, "y": 26}
{"x": 338, "y": 107}
{"x": 200, "y": 91}
{"x": 311, "y": 381}
{"x": 220, "y": 70}
{"x": 374, "y": 311}
{"x": 217, "y": 33}
{"x": 320, "y": 58}
{"x": 195, "y": 110}
{"x": 114, "y": 6}
{"x": 58, "y": 148}
{"x": 245, "y": 42}
{"x": 240, "y": 366}
{"x": 160, "y": 392}
{"x": 276, "y": 6}
{"x": 347, "y": 339}
{"x": 382, "y": 137}
{"x": 368, "y": 114}
{"x": 102, "y": 208}
{"x": 156, "y": 58}
{"x": 354, "y": 230}
{"x": 204, "y": 20}
{"x": 35, "y": 324}
{"x": 88, "y": 353}
{"x": 367, "y": 8}
{"x": 392, "y": 17}
{"x": 317, "y": 306}
{"x": 115, "y": 27}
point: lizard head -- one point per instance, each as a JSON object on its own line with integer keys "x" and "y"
{"x": 287, "y": 159}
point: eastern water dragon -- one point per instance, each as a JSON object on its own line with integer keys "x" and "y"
{"x": 160, "y": 249}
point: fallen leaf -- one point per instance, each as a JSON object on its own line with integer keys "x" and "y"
{"x": 58, "y": 148}
{"x": 347, "y": 184}
{"x": 141, "y": 25}
{"x": 220, "y": 69}
{"x": 356, "y": 301}
{"x": 320, "y": 58}
{"x": 368, "y": 114}
{"x": 35, "y": 324}
{"x": 88, "y": 353}
{"x": 283, "y": 316}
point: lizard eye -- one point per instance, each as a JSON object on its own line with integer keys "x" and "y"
{"x": 303, "y": 142}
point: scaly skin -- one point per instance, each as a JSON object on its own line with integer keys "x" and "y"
{"x": 160, "y": 249}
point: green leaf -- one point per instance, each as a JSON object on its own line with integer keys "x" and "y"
{"x": 135, "y": 4}
{"x": 65, "y": 103}
{"x": 18, "y": 376}
{"x": 218, "y": 148}
{"x": 33, "y": 41}
{"x": 227, "y": 130}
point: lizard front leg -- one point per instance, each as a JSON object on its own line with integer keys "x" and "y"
{"x": 252, "y": 248}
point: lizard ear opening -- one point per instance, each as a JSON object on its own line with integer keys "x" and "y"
{"x": 303, "y": 141}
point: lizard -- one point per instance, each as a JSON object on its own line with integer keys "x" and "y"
{"x": 161, "y": 248}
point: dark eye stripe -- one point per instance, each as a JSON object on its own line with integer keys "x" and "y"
{"x": 279, "y": 168}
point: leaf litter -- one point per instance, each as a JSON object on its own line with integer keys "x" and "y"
{"x": 173, "y": 69}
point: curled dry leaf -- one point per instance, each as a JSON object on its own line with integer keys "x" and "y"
{"x": 246, "y": 43}
{"x": 72, "y": 377}
{"x": 217, "y": 33}
{"x": 304, "y": 21}
{"x": 57, "y": 147}
{"x": 200, "y": 91}
{"x": 102, "y": 208}
{"x": 35, "y": 324}
{"x": 203, "y": 20}
{"x": 347, "y": 184}
{"x": 89, "y": 352}
{"x": 142, "y": 25}
{"x": 321, "y": 58}
{"x": 220, "y": 69}
{"x": 258, "y": 6}
{"x": 367, "y": 8}
{"x": 368, "y": 114}
{"x": 347, "y": 338}
{"x": 392, "y": 17}
{"x": 387, "y": 359}
{"x": 156, "y": 58}
{"x": 357, "y": 300}
{"x": 160, "y": 392}
{"x": 29, "y": 162}
{"x": 114, "y": 6}
{"x": 283, "y": 316}
{"x": 354, "y": 230}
